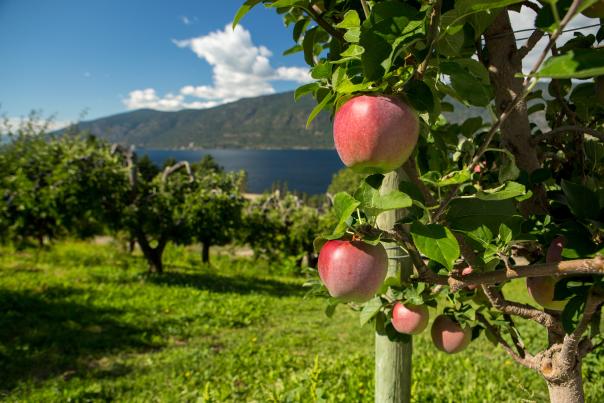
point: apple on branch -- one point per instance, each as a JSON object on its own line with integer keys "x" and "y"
{"x": 352, "y": 270}
{"x": 409, "y": 319}
{"x": 449, "y": 336}
{"x": 375, "y": 133}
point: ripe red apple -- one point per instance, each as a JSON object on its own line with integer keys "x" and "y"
{"x": 541, "y": 289}
{"x": 410, "y": 319}
{"x": 375, "y": 133}
{"x": 352, "y": 270}
{"x": 449, "y": 336}
{"x": 595, "y": 11}
{"x": 467, "y": 271}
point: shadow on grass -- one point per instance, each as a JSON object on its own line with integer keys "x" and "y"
{"x": 45, "y": 334}
{"x": 226, "y": 284}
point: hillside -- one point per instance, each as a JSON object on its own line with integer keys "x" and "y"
{"x": 270, "y": 121}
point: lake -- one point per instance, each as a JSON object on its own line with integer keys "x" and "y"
{"x": 308, "y": 171}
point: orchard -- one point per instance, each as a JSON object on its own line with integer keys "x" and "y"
{"x": 460, "y": 209}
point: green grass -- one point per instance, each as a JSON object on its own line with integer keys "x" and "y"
{"x": 83, "y": 322}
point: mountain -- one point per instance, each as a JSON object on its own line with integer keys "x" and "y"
{"x": 270, "y": 121}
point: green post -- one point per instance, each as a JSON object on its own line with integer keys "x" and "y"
{"x": 393, "y": 359}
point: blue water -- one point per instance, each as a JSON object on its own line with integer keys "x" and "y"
{"x": 308, "y": 171}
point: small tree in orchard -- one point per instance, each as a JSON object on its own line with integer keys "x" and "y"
{"x": 278, "y": 225}
{"x": 213, "y": 208}
{"x": 476, "y": 193}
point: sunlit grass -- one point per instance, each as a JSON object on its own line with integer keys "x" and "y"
{"x": 84, "y": 322}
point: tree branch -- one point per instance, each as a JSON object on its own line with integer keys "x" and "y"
{"x": 179, "y": 165}
{"x": 523, "y": 358}
{"x": 530, "y": 44}
{"x": 430, "y": 38}
{"x": 525, "y": 311}
{"x": 564, "y": 129}
{"x": 529, "y": 83}
{"x": 570, "y": 345}
{"x": 324, "y": 24}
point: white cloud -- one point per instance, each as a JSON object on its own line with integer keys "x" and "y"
{"x": 526, "y": 19}
{"x": 188, "y": 20}
{"x": 37, "y": 123}
{"x": 240, "y": 69}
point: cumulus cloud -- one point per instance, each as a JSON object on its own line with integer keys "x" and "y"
{"x": 526, "y": 19}
{"x": 240, "y": 69}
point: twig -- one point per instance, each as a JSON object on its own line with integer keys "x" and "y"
{"x": 524, "y": 358}
{"x": 365, "y": 8}
{"x": 563, "y": 129}
{"x": 525, "y": 311}
{"x": 324, "y": 24}
{"x": 431, "y": 38}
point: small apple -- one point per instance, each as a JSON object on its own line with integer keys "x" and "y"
{"x": 467, "y": 271}
{"x": 410, "y": 319}
{"x": 541, "y": 289}
{"x": 375, "y": 133}
{"x": 595, "y": 11}
{"x": 352, "y": 270}
{"x": 449, "y": 336}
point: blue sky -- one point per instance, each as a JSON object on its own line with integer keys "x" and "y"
{"x": 65, "y": 57}
{"x": 104, "y": 57}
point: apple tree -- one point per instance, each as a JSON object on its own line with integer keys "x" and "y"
{"x": 462, "y": 207}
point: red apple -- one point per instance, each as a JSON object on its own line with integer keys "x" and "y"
{"x": 409, "y": 319}
{"x": 352, "y": 270}
{"x": 467, "y": 271}
{"x": 375, "y": 133}
{"x": 541, "y": 289}
{"x": 449, "y": 336}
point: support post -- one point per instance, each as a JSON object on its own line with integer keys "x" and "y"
{"x": 393, "y": 359}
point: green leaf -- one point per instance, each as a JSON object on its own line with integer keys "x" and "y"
{"x": 243, "y": 10}
{"x": 299, "y": 28}
{"x": 370, "y": 309}
{"x": 318, "y": 108}
{"x": 419, "y": 95}
{"x": 470, "y": 80}
{"x": 437, "y": 242}
{"x": 351, "y": 20}
{"x": 472, "y": 215}
{"x": 463, "y": 8}
{"x": 582, "y": 201}
{"x": 455, "y": 178}
{"x": 577, "y": 63}
{"x": 344, "y": 205}
{"x": 509, "y": 190}
{"x": 308, "y": 43}
{"x": 305, "y": 89}
{"x": 572, "y": 313}
{"x": 373, "y": 203}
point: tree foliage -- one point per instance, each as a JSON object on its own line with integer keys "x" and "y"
{"x": 480, "y": 193}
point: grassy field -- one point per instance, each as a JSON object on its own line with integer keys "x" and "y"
{"x": 84, "y": 322}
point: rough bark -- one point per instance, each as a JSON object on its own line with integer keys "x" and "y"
{"x": 393, "y": 358}
{"x": 568, "y": 391}
{"x": 152, "y": 255}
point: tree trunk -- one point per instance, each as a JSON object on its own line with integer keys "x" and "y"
{"x": 503, "y": 65}
{"x": 570, "y": 391}
{"x": 205, "y": 252}
{"x": 152, "y": 255}
{"x": 393, "y": 359}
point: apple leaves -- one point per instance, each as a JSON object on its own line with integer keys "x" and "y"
{"x": 437, "y": 242}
